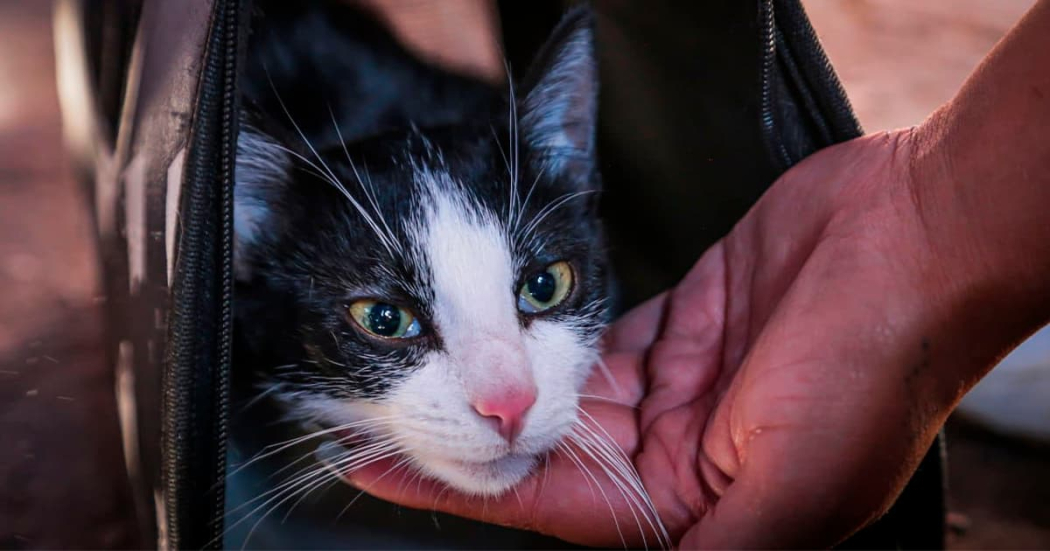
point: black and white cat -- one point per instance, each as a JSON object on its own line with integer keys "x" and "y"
{"x": 418, "y": 256}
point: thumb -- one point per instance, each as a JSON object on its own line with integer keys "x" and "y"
{"x": 802, "y": 490}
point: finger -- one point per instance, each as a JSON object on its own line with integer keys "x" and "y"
{"x": 678, "y": 334}
{"x": 704, "y": 285}
{"x": 761, "y": 509}
{"x": 618, "y": 377}
{"x": 686, "y": 362}
{"x": 798, "y": 490}
{"x": 696, "y": 307}
{"x": 639, "y": 327}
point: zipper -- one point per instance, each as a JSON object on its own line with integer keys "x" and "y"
{"x": 196, "y": 375}
{"x": 767, "y": 117}
{"x": 229, "y": 143}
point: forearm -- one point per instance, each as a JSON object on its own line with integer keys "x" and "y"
{"x": 981, "y": 181}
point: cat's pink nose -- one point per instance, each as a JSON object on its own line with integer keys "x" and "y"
{"x": 507, "y": 410}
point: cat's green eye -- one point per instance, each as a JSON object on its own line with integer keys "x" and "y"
{"x": 384, "y": 320}
{"x": 545, "y": 289}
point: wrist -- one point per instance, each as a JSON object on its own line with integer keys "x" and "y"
{"x": 980, "y": 176}
{"x": 988, "y": 241}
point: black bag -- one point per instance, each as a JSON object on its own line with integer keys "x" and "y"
{"x": 732, "y": 94}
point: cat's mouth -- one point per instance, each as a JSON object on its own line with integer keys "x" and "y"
{"x": 350, "y": 438}
{"x": 484, "y": 477}
{"x": 509, "y": 459}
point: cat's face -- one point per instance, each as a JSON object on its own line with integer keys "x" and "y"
{"x": 440, "y": 290}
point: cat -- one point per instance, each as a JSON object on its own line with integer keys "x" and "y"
{"x": 418, "y": 256}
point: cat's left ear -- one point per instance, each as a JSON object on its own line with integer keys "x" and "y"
{"x": 560, "y": 108}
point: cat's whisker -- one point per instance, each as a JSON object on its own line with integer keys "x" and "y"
{"x": 546, "y": 473}
{"x": 512, "y": 130}
{"x": 340, "y": 441}
{"x": 308, "y": 455}
{"x": 391, "y": 247}
{"x": 596, "y": 304}
{"x": 506, "y": 163}
{"x": 603, "y": 368}
{"x": 604, "y": 399}
{"x": 333, "y": 181}
{"x": 592, "y": 481}
{"x": 278, "y": 447}
{"x": 231, "y": 526}
{"x": 420, "y": 477}
{"x": 446, "y": 489}
{"x": 284, "y": 490}
{"x": 310, "y": 471}
{"x": 369, "y": 195}
{"x": 607, "y": 443}
{"x": 349, "y": 460}
{"x": 323, "y": 485}
{"x": 392, "y": 468}
{"x": 345, "y": 426}
{"x": 604, "y": 445}
{"x": 409, "y": 479}
{"x": 616, "y": 475}
{"x": 621, "y": 474}
{"x": 550, "y": 208}
{"x": 334, "y": 480}
{"x": 312, "y": 481}
{"x": 528, "y": 196}
{"x": 517, "y": 495}
{"x": 268, "y": 390}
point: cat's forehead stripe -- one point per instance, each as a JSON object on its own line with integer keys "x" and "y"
{"x": 471, "y": 265}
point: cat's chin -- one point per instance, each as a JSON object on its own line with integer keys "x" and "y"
{"x": 489, "y": 478}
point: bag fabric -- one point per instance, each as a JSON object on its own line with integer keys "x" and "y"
{"x": 703, "y": 105}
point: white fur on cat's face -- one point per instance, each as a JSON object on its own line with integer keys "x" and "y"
{"x": 487, "y": 352}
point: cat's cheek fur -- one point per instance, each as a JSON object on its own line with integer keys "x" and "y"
{"x": 561, "y": 360}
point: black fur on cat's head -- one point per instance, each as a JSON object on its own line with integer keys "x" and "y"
{"x": 435, "y": 275}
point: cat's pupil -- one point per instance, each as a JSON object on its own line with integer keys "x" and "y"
{"x": 384, "y": 319}
{"x": 542, "y": 286}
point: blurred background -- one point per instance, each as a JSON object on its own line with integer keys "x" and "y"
{"x": 60, "y": 453}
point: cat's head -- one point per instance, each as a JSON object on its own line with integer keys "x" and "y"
{"x": 442, "y": 289}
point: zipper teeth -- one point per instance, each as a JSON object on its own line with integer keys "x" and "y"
{"x": 196, "y": 376}
{"x": 765, "y": 10}
{"x": 229, "y": 136}
{"x": 846, "y": 119}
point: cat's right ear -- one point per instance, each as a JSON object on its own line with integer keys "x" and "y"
{"x": 261, "y": 174}
{"x": 560, "y": 109}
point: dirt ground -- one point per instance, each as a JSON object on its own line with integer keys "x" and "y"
{"x": 898, "y": 60}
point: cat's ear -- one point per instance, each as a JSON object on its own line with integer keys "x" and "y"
{"x": 261, "y": 174}
{"x": 560, "y": 108}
